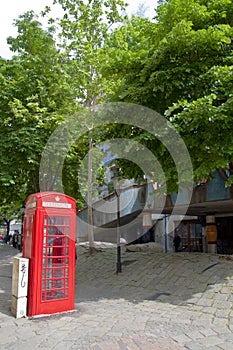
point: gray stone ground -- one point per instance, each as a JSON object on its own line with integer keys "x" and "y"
{"x": 159, "y": 301}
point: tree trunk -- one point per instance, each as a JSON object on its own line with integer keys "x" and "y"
{"x": 35, "y": 185}
{"x": 89, "y": 201}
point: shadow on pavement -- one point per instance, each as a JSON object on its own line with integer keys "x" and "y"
{"x": 177, "y": 279}
{"x": 174, "y": 278}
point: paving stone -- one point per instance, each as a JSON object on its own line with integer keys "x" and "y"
{"x": 193, "y": 345}
{"x": 222, "y": 313}
{"x": 208, "y": 332}
{"x": 225, "y": 346}
{"x": 147, "y": 306}
{"x": 195, "y": 334}
{"x": 211, "y": 341}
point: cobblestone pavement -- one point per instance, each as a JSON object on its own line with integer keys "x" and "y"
{"x": 159, "y": 301}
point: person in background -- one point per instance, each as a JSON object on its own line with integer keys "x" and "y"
{"x": 15, "y": 239}
{"x": 176, "y": 242}
{"x": 19, "y": 242}
{"x": 76, "y": 255}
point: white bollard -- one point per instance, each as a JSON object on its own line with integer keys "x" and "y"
{"x": 19, "y": 287}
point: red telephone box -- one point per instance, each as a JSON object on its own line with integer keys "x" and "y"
{"x": 49, "y": 243}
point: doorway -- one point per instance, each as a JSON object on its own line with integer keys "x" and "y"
{"x": 225, "y": 235}
{"x": 190, "y": 232}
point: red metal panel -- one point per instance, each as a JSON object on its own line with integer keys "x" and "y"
{"x": 49, "y": 243}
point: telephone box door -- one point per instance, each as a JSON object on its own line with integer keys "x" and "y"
{"x": 57, "y": 268}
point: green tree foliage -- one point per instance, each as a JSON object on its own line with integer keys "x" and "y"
{"x": 186, "y": 74}
{"x": 127, "y": 47}
{"x": 179, "y": 64}
{"x": 44, "y": 82}
{"x": 34, "y": 96}
{"x": 83, "y": 30}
